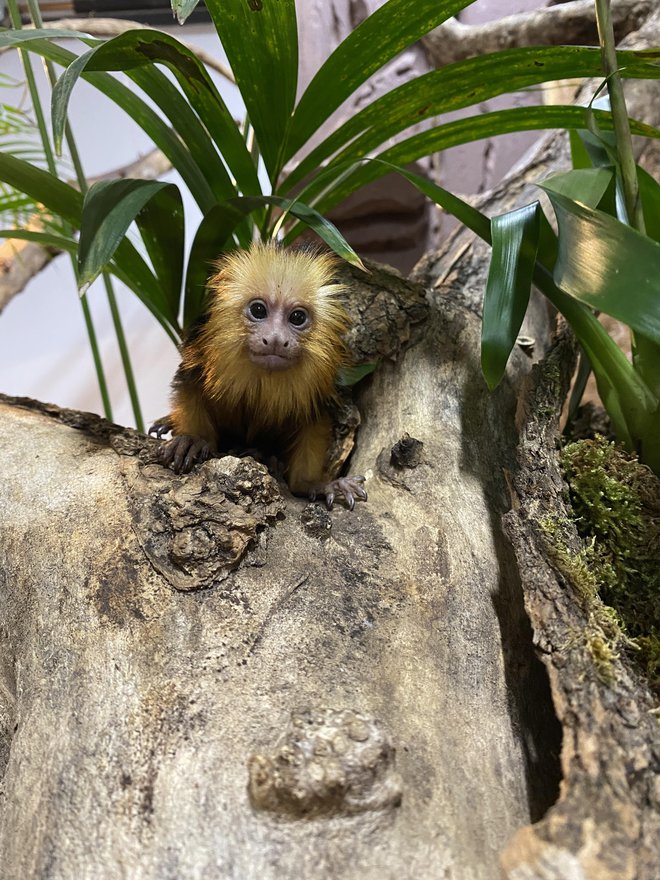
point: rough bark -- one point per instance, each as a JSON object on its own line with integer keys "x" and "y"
{"x": 167, "y": 637}
{"x": 203, "y": 677}
{"x": 606, "y": 824}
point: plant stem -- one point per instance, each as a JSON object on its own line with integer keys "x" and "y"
{"x": 34, "y": 93}
{"x": 619, "y": 115}
{"x": 123, "y": 351}
{"x": 35, "y": 14}
{"x": 96, "y": 355}
{"x": 15, "y": 19}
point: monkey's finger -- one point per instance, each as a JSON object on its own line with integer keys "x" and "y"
{"x": 166, "y": 453}
{"x": 350, "y": 501}
{"x": 198, "y": 452}
{"x": 329, "y": 499}
{"x": 360, "y": 492}
{"x": 188, "y": 461}
{"x": 183, "y": 446}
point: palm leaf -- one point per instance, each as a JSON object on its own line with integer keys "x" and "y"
{"x": 261, "y": 42}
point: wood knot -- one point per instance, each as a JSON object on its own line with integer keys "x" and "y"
{"x": 327, "y": 762}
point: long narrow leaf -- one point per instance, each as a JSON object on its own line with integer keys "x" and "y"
{"x": 43, "y": 187}
{"x": 138, "y": 48}
{"x": 61, "y": 199}
{"x": 136, "y": 108}
{"x": 260, "y": 38}
{"x": 455, "y": 86}
{"x": 45, "y": 239}
{"x": 326, "y": 230}
{"x": 183, "y": 8}
{"x": 469, "y": 216}
{"x": 161, "y": 226}
{"x": 627, "y": 398}
{"x": 649, "y": 190}
{"x": 646, "y": 353}
{"x": 630, "y": 401}
{"x": 130, "y": 268}
{"x": 458, "y": 132}
{"x": 515, "y": 240}
{"x": 187, "y": 125}
{"x": 17, "y": 37}
{"x": 211, "y": 239}
{"x": 579, "y": 153}
{"x": 109, "y": 208}
{"x": 607, "y": 264}
{"x": 646, "y": 360}
{"x": 585, "y": 185}
{"x": 230, "y": 213}
{"x": 379, "y": 38}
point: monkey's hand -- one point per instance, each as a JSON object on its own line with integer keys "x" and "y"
{"x": 161, "y": 426}
{"x": 349, "y": 488}
{"x": 183, "y": 451}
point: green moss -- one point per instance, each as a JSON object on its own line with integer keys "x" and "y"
{"x": 604, "y": 634}
{"x": 603, "y": 655}
{"x": 616, "y": 502}
{"x": 578, "y": 567}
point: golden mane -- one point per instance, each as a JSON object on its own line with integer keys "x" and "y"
{"x": 230, "y": 379}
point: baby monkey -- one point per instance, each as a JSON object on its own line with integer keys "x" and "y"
{"x": 260, "y": 366}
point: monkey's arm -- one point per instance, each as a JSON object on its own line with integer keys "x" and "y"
{"x": 194, "y": 435}
{"x": 307, "y": 470}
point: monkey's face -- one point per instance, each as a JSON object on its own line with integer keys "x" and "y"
{"x": 276, "y": 332}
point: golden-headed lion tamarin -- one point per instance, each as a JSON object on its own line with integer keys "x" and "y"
{"x": 258, "y": 368}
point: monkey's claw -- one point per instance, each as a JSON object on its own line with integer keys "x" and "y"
{"x": 160, "y": 427}
{"x": 349, "y": 488}
{"x": 182, "y": 452}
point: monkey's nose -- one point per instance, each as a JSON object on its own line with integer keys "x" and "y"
{"x": 275, "y": 342}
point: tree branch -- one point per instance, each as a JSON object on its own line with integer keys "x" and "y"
{"x": 571, "y": 23}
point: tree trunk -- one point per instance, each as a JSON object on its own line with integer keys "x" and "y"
{"x": 202, "y": 677}
{"x": 206, "y": 679}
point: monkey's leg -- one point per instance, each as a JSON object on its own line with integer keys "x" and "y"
{"x": 307, "y": 475}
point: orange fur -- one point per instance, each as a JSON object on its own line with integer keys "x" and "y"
{"x": 230, "y": 396}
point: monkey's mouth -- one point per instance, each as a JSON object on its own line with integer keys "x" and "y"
{"x": 271, "y": 361}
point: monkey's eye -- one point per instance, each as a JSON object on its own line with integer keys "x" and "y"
{"x": 298, "y": 317}
{"x": 257, "y": 310}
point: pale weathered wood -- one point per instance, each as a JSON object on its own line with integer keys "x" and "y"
{"x": 134, "y": 708}
{"x": 203, "y": 677}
